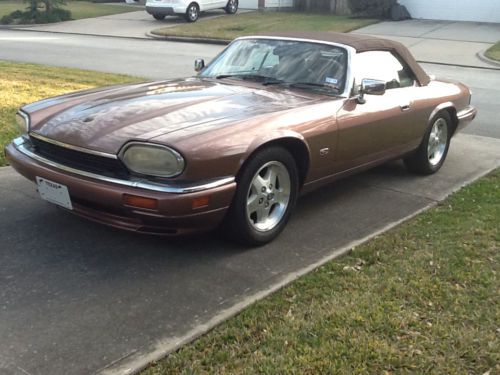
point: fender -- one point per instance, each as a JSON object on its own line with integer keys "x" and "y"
{"x": 275, "y": 136}
{"x": 439, "y": 108}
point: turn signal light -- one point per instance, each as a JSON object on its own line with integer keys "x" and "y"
{"x": 200, "y": 202}
{"x": 140, "y": 202}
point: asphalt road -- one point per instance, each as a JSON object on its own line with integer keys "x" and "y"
{"x": 79, "y": 298}
{"x": 159, "y": 60}
{"x": 151, "y": 59}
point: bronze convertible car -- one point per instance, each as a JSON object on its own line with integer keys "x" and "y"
{"x": 269, "y": 118}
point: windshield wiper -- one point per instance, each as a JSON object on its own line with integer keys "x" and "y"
{"x": 251, "y": 77}
{"x": 312, "y": 84}
{"x": 305, "y": 85}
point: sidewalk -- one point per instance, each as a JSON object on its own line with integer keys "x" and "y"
{"x": 126, "y": 25}
{"x": 442, "y": 42}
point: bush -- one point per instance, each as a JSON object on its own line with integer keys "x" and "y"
{"x": 371, "y": 8}
{"x": 18, "y": 17}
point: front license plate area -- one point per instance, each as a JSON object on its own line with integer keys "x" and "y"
{"x": 54, "y": 192}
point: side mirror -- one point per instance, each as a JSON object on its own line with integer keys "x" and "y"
{"x": 199, "y": 64}
{"x": 370, "y": 87}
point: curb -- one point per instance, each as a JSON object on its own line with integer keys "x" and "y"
{"x": 481, "y": 55}
{"x": 185, "y": 39}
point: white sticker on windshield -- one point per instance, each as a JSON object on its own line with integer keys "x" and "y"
{"x": 332, "y": 81}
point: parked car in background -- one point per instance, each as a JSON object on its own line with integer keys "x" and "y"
{"x": 159, "y": 9}
{"x": 269, "y": 118}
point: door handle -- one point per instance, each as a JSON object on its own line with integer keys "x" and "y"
{"x": 405, "y": 107}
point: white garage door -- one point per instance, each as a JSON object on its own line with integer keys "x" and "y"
{"x": 456, "y": 10}
{"x": 248, "y": 4}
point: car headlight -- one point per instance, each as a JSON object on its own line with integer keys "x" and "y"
{"x": 23, "y": 122}
{"x": 152, "y": 160}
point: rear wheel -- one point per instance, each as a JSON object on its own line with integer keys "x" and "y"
{"x": 159, "y": 17}
{"x": 265, "y": 197}
{"x": 231, "y": 7}
{"x": 432, "y": 152}
{"x": 192, "y": 12}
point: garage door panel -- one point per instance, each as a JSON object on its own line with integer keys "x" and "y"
{"x": 457, "y": 10}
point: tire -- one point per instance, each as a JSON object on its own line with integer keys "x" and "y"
{"x": 192, "y": 12}
{"x": 432, "y": 152}
{"x": 265, "y": 197}
{"x": 231, "y": 7}
{"x": 158, "y": 16}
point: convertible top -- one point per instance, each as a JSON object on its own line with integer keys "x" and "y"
{"x": 362, "y": 43}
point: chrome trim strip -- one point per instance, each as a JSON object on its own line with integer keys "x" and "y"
{"x": 71, "y": 147}
{"x": 19, "y": 143}
{"x": 466, "y": 112}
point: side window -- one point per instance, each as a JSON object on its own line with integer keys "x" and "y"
{"x": 384, "y": 66}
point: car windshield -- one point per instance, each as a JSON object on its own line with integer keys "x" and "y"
{"x": 296, "y": 64}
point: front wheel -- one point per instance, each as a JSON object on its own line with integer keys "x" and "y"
{"x": 265, "y": 197}
{"x": 432, "y": 152}
{"x": 192, "y": 12}
{"x": 231, "y": 7}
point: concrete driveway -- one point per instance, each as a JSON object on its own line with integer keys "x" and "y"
{"x": 444, "y": 42}
{"x": 125, "y": 25}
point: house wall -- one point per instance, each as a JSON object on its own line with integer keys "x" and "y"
{"x": 259, "y": 4}
{"x": 456, "y": 10}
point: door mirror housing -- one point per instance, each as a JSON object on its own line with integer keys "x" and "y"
{"x": 199, "y": 64}
{"x": 370, "y": 87}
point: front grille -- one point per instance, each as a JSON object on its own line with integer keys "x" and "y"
{"x": 80, "y": 160}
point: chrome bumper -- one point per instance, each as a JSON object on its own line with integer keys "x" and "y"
{"x": 465, "y": 117}
{"x": 21, "y": 145}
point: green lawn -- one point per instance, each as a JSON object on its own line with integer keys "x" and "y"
{"x": 25, "y": 83}
{"x": 494, "y": 52}
{"x": 230, "y": 27}
{"x": 79, "y": 9}
{"x": 422, "y": 298}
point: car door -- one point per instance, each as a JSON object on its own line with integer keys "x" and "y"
{"x": 213, "y": 4}
{"x": 384, "y": 125}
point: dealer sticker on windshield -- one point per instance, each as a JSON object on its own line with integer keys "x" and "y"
{"x": 331, "y": 81}
{"x": 54, "y": 192}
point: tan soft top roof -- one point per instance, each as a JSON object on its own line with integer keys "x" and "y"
{"x": 362, "y": 43}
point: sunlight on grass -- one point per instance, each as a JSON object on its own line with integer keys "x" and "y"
{"x": 230, "y": 27}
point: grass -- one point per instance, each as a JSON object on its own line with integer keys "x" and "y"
{"x": 230, "y": 27}
{"x": 422, "y": 298}
{"x": 79, "y": 9}
{"x": 25, "y": 83}
{"x": 494, "y": 52}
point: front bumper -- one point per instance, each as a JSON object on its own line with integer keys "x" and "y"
{"x": 100, "y": 198}
{"x": 159, "y": 8}
{"x": 466, "y": 116}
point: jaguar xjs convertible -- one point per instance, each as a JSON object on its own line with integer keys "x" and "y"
{"x": 270, "y": 118}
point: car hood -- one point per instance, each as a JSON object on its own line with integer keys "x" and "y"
{"x": 104, "y": 120}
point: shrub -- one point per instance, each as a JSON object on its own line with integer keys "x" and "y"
{"x": 33, "y": 15}
{"x": 371, "y": 8}
{"x": 27, "y": 17}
